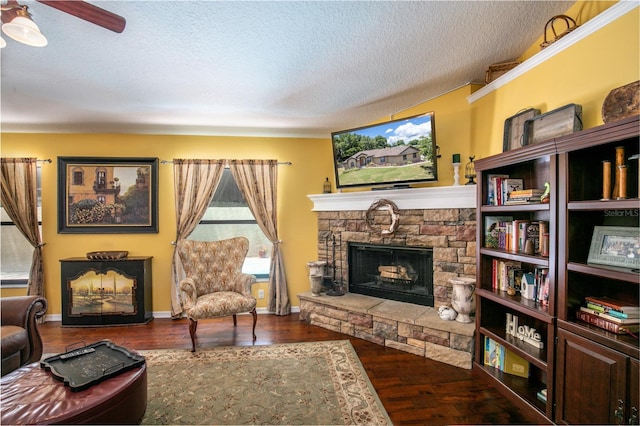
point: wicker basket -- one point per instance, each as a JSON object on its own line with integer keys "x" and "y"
{"x": 563, "y": 20}
{"x": 496, "y": 70}
{"x": 107, "y": 255}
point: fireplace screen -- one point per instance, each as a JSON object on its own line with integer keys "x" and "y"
{"x": 397, "y": 273}
{"x": 102, "y": 293}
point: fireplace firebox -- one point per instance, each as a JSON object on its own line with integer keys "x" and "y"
{"x": 400, "y": 273}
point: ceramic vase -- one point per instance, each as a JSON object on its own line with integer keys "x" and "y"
{"x": 317, "y": 267}
{"x": 463, "y": 298}
{"x": 316, "y": 284}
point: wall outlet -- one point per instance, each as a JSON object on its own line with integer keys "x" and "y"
{"x": 261, "y": 294}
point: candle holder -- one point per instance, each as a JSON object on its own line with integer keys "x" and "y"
{"x": 456, "y": 174}
{"x": 606, "y": 180}
{"x": 617, "y": 172}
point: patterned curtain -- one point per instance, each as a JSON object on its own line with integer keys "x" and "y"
{"x": 258, "y": 180}
{"x": 20, "y": 201}
{"x": 195, "y": 182}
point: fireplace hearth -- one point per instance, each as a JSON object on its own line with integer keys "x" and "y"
{"x": 400, "y": 273}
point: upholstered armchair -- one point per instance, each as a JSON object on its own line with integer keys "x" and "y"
{"x": 215, "y": 285}
{"x": 21, "y": 341}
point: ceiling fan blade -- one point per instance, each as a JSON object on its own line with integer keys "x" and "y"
{"x": 89, "y": 12}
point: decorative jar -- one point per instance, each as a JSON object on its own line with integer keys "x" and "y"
{"x": 463, "y": 298}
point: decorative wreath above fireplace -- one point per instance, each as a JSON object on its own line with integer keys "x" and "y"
{"x": 391, "y": 207}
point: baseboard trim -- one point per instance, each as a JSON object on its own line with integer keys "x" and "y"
{"x": 167, "y": 314}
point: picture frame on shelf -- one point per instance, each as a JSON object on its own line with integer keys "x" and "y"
{"x": 107, "y": 195}
{"x": 617, "y": 246}
{"x": 514, "y": 129}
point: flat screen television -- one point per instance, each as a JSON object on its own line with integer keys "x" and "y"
{"x": 396, "y": 153}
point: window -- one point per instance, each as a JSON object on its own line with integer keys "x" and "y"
{"x": 229, "y": 216}
{"x": 78, "y": 177}
{"x": 15, "y": 251}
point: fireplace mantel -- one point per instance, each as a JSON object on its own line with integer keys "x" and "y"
{"x": 439, "y": 197}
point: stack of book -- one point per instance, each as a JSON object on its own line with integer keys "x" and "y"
{"x": 499, "y": 188}
{"x": 524, "y": 196}
{"x": 613, "y": 315}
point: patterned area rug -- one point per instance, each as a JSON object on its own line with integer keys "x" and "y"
{"x": 320, "y": 383}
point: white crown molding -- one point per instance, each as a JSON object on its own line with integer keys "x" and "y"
{"x": 599, "y": 21}
{"x": 439, "y": 197}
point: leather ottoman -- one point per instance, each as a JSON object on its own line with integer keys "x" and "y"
{"x": 31, "y": 395}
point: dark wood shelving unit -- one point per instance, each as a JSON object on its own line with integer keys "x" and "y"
{"x": 572, "y": 165}
{"x": 612, "y": 358}
{"x": 535, "y": 164}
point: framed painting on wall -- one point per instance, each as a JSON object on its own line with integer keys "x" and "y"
{"x": 107, "y": 195}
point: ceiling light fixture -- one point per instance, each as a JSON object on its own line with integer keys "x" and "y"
{"x": 18, "y": 25}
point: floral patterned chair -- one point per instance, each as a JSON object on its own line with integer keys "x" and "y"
{"x": 215, "y": 285}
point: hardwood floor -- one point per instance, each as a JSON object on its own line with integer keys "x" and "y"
{"x": 413, "y": 389}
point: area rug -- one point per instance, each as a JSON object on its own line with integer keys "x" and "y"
{"x": 319, "y": 383}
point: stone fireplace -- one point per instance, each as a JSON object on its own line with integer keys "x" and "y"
{"x": 437, "y": 221}
{"x": 441, "y": 219}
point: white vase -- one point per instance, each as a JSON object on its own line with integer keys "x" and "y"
{"x": 463, "y": 298}
{"x": 316, "y": 284}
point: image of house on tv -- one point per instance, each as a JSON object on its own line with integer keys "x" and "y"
{"x": 390, "y": 156}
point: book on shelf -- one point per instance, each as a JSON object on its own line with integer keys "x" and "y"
{"x": 522, "y": 200}
{"x": 607, "y": 310}
{"x": 527, "y": 193}
{"x": 507, "y": 185}
{"x": 542, "y": 395}
{"x": 533, "y": 235}
{"x": 495, "y": 230}
{"x": 543, "y": 235}
{"x": 609, "y": 317}
{"x": 515, "y": 278}
{"x": 614, "y": 304}
{"x": 605, "y": 324}
{"x": 501, "y": 358}
{"x": 491, "y": 188}
{"x": 501, "y": 269}
{"x": 542, "y": 295}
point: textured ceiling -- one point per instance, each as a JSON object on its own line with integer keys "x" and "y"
{"x": 288, "y": 68}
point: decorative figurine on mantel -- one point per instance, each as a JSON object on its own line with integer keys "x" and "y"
{"x": 470, "y": 171}
{"x": 326, "y": 187}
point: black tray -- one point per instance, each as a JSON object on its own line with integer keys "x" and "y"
{"x": 89, "y": 365}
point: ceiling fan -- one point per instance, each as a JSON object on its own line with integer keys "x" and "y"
{"x": 17, "y": 22}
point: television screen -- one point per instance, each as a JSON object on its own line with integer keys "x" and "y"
{"x": 396, "y": 153}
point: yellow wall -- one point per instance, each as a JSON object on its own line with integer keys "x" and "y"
{"x": 453, "y": 129}
{"x": 580, "y": 12}
{"x": 582, "y": 74}
{"x": 311, "y": 160}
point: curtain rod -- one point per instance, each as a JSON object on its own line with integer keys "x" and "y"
{"x": 280, "y": 163}
{"x": 48, "y": 160}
